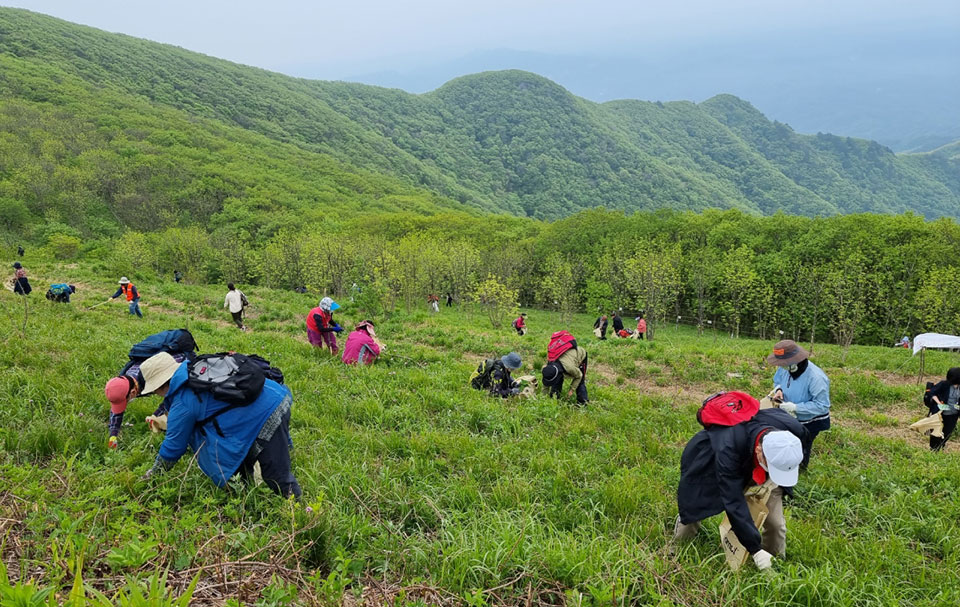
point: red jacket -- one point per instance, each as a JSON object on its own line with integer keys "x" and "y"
{"x": 312, "y": 322}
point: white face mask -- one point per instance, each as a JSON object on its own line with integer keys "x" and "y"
{"x": 793, "y": 368}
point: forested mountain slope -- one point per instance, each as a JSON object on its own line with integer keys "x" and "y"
{"x": 502, "y": 141}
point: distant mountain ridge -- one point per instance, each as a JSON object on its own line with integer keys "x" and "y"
{"x": 503, "y": 141}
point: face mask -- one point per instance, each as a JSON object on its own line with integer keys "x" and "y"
{"x": 793, "y": 368}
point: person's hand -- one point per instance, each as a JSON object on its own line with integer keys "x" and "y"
{"x": 337, "y": 329}
{"x": 790, "y": 408}
{"x": 763, "y": 560}
{"x": 778, "y": 394}
{"x": 149, "y": 473}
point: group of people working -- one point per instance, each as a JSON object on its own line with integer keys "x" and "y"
{"x": 601, "y": 324}
{"x": 741, "y": 446}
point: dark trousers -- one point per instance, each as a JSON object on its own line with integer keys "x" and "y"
{"x": 814, "y": 428}
{"x": 238, "y": 318}
{"x": 275, "y": 462}
{"x": 949, "y": 424}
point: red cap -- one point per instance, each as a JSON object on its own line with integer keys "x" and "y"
{"x": 117, "y": 390}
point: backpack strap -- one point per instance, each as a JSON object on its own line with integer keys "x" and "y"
{"x": 203, "y": 422}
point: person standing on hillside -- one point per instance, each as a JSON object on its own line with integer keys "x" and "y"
{"x": 321, "y": 328}
{"x": 944, "y": 397}
{"x": 128, "y": 289}
{"x": 21, "y": 284}
{"x": 617, "y": 323}
{"x": 20, "y": 250}
{"x": 719, "y": 463}
{"x": 434, "y": 302}
{"x": 600, "y": 327}
{"x": 449, "y": 299}
{"x": 362, "y": 345}
{"x": 803, "y": 387}
{"x": 236, "y": 301}
{"x": 641, "y": 326}
{"x": 224, "y": 438}
{"x": 177, "y": 276}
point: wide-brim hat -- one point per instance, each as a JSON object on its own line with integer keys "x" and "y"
{"x": 157, "y": 370}
{"x": 17, "y": 265}
{"x": 786, "y": 353}
{"x": 124, "y": 280}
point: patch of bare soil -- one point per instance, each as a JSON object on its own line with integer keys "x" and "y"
{"x": 677, "y": 393}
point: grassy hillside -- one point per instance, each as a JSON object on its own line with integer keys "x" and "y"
{"x": 503, "y": 141}
{"x": 426, "y": 492}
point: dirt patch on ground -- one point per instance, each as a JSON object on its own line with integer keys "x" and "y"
{"x": 675, "y": 392}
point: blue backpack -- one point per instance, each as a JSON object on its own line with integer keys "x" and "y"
{"x": 60, "y": 288}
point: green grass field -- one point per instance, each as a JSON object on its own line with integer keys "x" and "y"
{"x": 426, "y": 492}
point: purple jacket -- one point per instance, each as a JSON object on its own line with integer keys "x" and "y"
{"x": 360, "y": 347}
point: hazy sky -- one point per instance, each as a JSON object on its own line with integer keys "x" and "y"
{"x": 337, "y": 39}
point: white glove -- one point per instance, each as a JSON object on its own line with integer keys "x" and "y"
{"x": 763, "y": 559}
{"x": 790, "y": 408}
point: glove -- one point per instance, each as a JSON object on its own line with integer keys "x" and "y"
{"x": 112, "y": 442}
{"x": 763, "y": 560}
{"x": 790, "y": 408}
{"x": 337, "y": 329}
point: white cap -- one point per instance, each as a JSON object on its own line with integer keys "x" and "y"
{"x": 783, "y": 453}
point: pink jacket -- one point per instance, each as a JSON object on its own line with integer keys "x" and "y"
{"x": 360, "y": 347}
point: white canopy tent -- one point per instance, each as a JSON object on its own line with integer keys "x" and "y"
{"x": 935, "y": 341}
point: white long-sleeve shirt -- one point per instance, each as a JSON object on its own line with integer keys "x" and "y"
{"x": 233, "y": 300}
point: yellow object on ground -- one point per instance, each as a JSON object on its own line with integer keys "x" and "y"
{"x": 930, "y": 426}
{"x": 733, "y": 550}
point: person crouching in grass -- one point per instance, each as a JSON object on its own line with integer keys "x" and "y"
{"x": 224, "y": 439}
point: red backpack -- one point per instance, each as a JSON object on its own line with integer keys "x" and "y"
{"x": 560, "y": 342}
{"x": 727, "y": 409}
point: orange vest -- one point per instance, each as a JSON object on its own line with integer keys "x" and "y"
{"x": 312, "y": 323}
{"x": 127, "y": 290}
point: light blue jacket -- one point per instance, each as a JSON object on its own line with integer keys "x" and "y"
{"x": 810, "y": 392}
{"x": 218, "y": 456}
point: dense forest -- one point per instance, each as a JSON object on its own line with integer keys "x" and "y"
{"x": 502, "y": 141}
{"x": 138, "y": 158}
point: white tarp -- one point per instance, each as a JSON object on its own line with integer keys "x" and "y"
{"x": 936, "y": 341}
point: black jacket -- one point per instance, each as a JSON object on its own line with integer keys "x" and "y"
{"x": 942, "y": 391}
{"x": 617, "y": 324}
{"x": 495, "y": 378}
{"x": 717, "y": 465}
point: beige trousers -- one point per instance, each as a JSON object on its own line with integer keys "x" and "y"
{"x": 774, "y": 530}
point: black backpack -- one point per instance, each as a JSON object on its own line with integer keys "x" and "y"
{"x": 236, "y": 379}
{"x": 481, "y": 377}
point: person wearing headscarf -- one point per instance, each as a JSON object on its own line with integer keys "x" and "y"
{"x": 362, "y": 346}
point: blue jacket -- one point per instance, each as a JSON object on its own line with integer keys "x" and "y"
{"x": 810, "y": 392}
{"x": 218, "y": 456}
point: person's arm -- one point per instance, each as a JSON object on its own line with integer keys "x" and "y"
{"x": 373, "y": 345}
{"x": 319, "y": 320}
{"x": 180, "y": 424}
{"x": 136, "y": 294}
{"x": 730, "y": 484}
{"x": 818, "y": 402}
{"x": 117, "y": 294}
{"x": 571, "y": 369}
{"x": 226, "y": 301}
